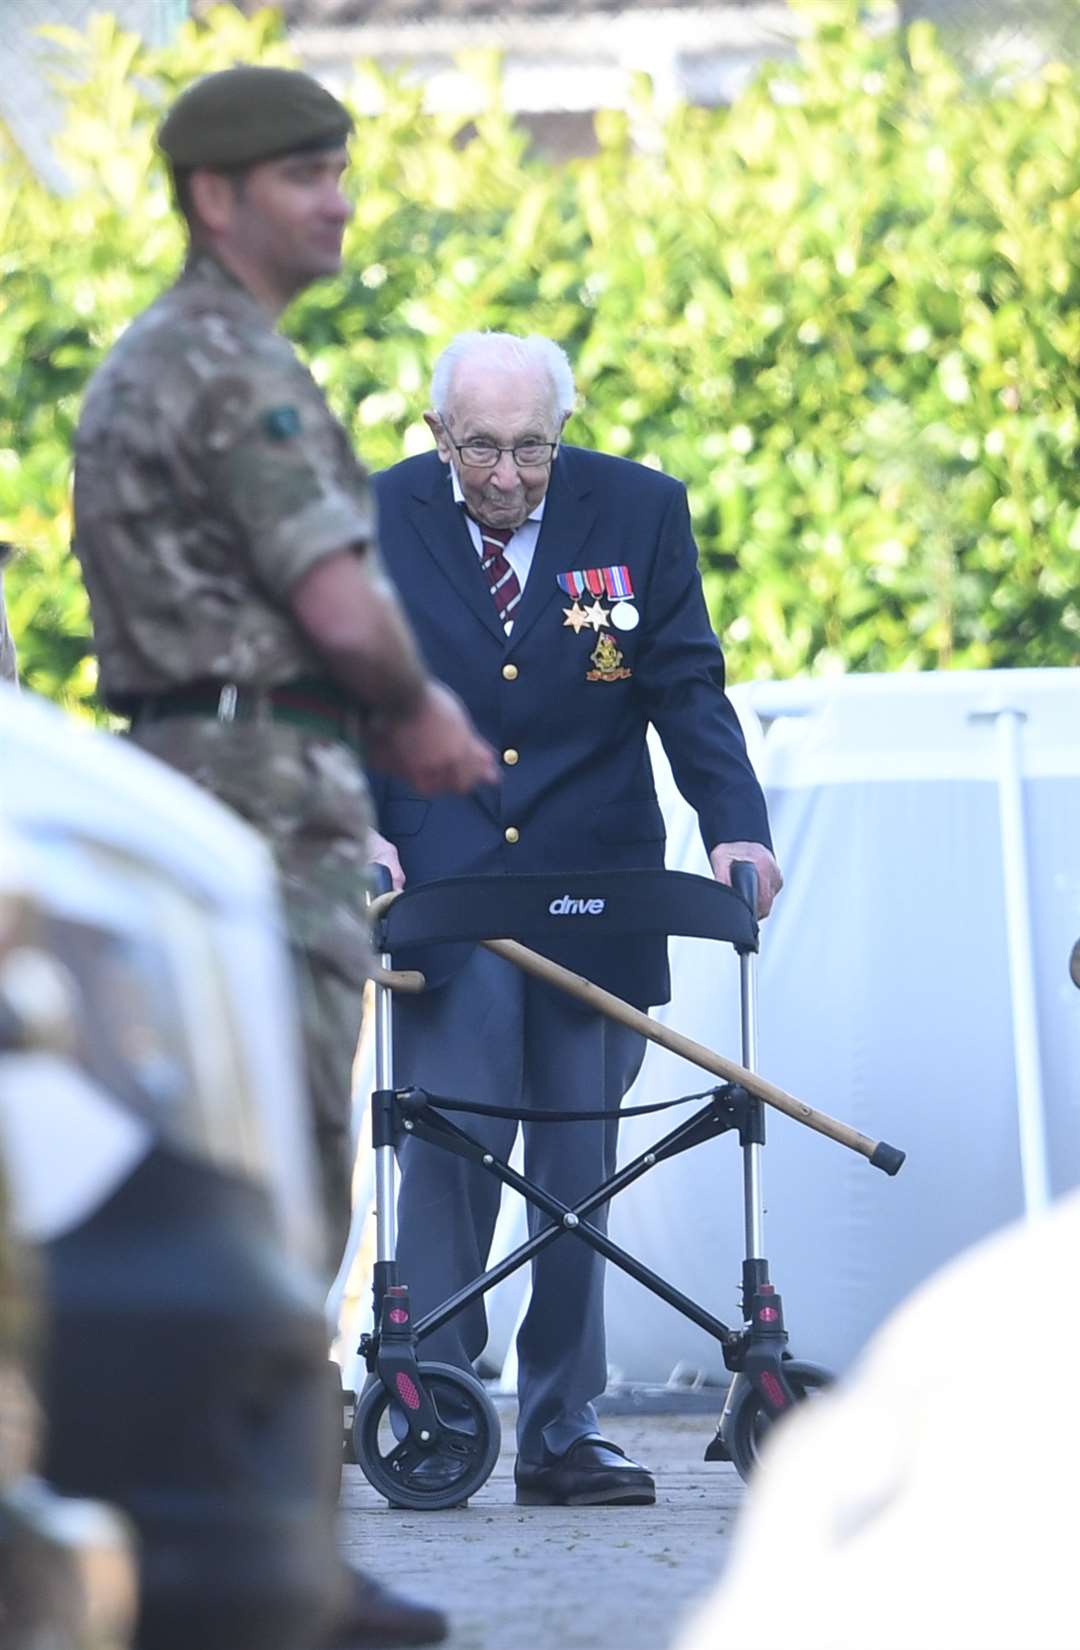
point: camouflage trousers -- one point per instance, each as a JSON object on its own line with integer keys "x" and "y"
{"x": 308, "y": 799}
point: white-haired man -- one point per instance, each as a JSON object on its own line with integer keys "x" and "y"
{"x": 557, "y": 590}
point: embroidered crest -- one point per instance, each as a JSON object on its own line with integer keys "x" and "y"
{"x": 608, "y": 661}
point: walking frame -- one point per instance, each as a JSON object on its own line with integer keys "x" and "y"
{"x": 427, "y": 1434}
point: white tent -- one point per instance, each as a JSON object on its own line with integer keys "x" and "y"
{"x": 913, "y": 982}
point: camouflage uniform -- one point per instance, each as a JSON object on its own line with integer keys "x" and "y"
{"x": 8, "y": 671}
{"x": 209, "y": 476}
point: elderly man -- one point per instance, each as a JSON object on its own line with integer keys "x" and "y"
{"x": 558, "y": 591}
{"x": 241, "y": 615}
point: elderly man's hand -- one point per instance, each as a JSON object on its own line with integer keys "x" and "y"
{"x": 770, "y": 880}
{"x": 381, "y": 852}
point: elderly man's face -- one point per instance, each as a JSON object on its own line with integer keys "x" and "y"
{"x": 505, "y": 407}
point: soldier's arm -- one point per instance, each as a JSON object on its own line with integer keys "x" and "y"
{"x": 349, "y": 611}
{"x": 275, "y": 463}
{"x": 416, "y": 727}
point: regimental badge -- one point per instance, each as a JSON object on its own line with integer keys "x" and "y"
{"x": 281, "y": 423}
{"x": 608, "y": 661}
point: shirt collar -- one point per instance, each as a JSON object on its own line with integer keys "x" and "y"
{"x": 202, "y": 268}
{"x": 459, "y": 496}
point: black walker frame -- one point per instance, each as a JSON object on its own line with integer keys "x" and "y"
{"x": 444, "y": 1432}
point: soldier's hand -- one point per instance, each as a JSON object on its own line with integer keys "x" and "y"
{"x": 435, "y": 748}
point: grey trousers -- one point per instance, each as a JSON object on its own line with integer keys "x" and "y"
{"x": 493, "y": 1035}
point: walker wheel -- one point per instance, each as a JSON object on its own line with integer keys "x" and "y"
{"x": 752, "y": 1422}
{"x": 426, "y": 1480}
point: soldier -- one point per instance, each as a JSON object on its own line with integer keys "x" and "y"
{"x": 241, "y": 615}
{"x": 8, "y": 668}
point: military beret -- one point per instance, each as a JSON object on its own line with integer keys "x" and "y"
{"x": 244, "y": 115}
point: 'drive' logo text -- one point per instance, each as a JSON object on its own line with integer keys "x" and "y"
{"x": 564, "y": 906}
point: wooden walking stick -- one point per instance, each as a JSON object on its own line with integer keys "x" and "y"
{"x": 879, "y": 1153}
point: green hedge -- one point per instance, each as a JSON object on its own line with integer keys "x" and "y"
{"x": 845, "y": 311}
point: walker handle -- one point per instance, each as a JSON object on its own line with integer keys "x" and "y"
{"x": 380, "y": 896}
{"x": 744, "y": 882}
{"x": 379, "y": 880}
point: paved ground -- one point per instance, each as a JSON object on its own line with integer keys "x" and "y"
{"x": 551, "y": 1578}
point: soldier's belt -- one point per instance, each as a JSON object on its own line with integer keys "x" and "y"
{"x": 312, "y": 703}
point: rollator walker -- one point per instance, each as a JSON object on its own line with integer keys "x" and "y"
{"x": 427, "y": 1434}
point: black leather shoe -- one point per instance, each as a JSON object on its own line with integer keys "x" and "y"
{"x": 592, "y": 1473}
{"x": 374, "y": 1618}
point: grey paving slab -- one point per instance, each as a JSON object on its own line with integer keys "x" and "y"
{"x": 553, "y": 1578}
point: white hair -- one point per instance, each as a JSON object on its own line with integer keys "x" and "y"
{"x": 502, "y": 350}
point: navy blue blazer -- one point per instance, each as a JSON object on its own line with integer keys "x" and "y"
{"x": 567, "y": 715}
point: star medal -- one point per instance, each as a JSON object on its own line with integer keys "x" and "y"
{"x": 576, "y": 617}
{"x": 596, "y": 615}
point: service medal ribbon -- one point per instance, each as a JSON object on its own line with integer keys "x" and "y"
{"x": 613, "y": 582}
{"x": 617, "y": 583}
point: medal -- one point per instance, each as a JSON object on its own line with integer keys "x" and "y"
{"x": 575, "y": 617}
{"x": 614, "y": 583}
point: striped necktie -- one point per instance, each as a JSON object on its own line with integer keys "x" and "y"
{"x": 505, "y": 590}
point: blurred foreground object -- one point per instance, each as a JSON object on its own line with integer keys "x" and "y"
{"x": 899, "y": 1510}
{"x": 67, "y": 1567}
{"x": 156, "y": 1143}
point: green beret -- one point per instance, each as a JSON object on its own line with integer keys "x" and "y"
{"x": 241, "y": 116}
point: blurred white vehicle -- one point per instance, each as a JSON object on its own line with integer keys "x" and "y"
{"x": 155, "y": 1140}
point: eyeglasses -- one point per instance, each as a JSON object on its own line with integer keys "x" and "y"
{"x": 484, "y": 455}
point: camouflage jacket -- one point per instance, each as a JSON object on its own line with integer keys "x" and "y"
{"x": 209, "y": 476}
